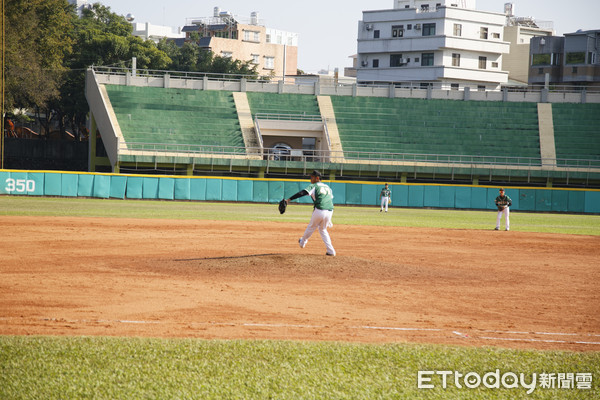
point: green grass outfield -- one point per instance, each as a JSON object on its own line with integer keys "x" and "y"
{"x": 346, "y": 215}
{"x": 135, "y": 368}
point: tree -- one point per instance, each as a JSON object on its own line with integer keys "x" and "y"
{"x": 101, "y": 38}
{"x": 37, "y": 41}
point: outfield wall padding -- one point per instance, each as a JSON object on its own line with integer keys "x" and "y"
{"x": 151, "y": 187}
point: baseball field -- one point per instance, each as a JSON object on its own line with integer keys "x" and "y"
{"x": 150, "y": 299}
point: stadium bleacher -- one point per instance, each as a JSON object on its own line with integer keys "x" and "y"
{"x": 577, "y": 130}
{"x": 176, "y": 116}
{"x": 273, "y": 103}
{"x": 448, "y": 127}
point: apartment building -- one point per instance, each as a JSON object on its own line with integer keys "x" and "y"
{"x": 427, "y": 41}
{"x": 572, "y": 59}
{"x": 273, "y": 51}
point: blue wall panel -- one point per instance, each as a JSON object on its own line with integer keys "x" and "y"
{"x": 52, "y": 184}
{"x": 526, "y": 199}
{"x": 431, "y": 196}
{"x": 399, "y": 195}
{"x": 150, "y": 188}
{"x": 543, "y": 200}
{"x": 198, "y": 189}
{"x": 276, "y": 191}
{"x": 38, "y": 183}
{"x": 69, "y": 185}
{"x": 592, "y": 202}
{"x": 415, "y": 196}
{"x": 166, "y": 188}
{"x": 576, "y": 201}
{"x": 230, "y": 190}
{"x": 245, "y": 190}
{"x": 118, "y": 186}
{"x": 214, "y": 189}
{"x": 447, "y": 196}
{"x": 339, "y": 192}
{"x": 135, "y": 186}
{"x": 353, "y": 193}
{"x": 85, "y": 184}
{"x": 4, "y": 182}
{"x": 479, "y": 198}
{"x": 463, "y": 197}
{"x": 182, "y": 189}
{"x": 560, "y": 200}
{"x": 370, "y": 195}
{"x": 261, "y": 191}
{"x": 101, "y": 186}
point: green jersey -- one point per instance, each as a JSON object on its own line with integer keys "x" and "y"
{"x": 321, "y": 195}
{"x": 385, "y": 192}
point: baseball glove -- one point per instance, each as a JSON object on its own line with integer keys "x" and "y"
{"x": 500, "y": 208}
{"x": 282, "y": 206}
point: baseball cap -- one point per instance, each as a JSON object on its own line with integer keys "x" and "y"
{"x": 315, "y": 173}
{"x": 502, "y": 189}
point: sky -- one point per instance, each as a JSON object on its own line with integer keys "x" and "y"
{"x": 328, "y": 29}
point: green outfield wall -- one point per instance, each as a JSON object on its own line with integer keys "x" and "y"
{"x": 152, "y": 187}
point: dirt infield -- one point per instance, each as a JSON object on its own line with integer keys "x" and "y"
{"x": 250, "y": 280}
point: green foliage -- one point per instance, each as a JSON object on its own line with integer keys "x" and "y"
{"x": 37, "y": 41}
{"x": 120, "y": 368}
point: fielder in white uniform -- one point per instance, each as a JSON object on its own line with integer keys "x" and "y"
{"x": 386, "y": 198}
{"x": 322, "y": 212}
{"x": 503, "y": 203}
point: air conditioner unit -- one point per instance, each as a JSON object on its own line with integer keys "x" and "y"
{"x": 404, "y": 61}
{"x": 364, "y": 63}
{"x": 417, "y": 27}
{"x": 369, "y": 27}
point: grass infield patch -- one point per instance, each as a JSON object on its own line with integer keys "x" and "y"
{"x": 126, "y": 368}
{"x": 345, "y": 215}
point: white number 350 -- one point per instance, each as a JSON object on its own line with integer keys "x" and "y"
{"x": 20, "y": 185}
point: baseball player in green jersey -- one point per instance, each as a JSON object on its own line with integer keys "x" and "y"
{"x": 386, "y": 197}
{"x": 322, "y": 212}
{"x": 503, "y": 203}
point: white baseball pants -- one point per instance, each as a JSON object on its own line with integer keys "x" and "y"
{"x": 384, "y": 203}
{"x": 320, "y": 219}
{"x": 506, "y": 213}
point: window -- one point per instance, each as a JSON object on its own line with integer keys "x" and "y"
{"x": 396, "y": 60}
{"x": 226, "y": 54}
{"x": 576, "y": 58}
{"x": 424, "y": 7}
{"x": 376, "y": 63}
{"x": 541, "y": 59}
{"x": 251, "y": 36}
{"x": 494, "y": 64}
{"x": 481, "y": 88}
{"x": 408, "y": 27}
{"x": 269, "y": 62}
{"x": 457, "y": 30}
{"x": 428, "y": 29}
{"x": 496, "y": 35}
{"x": 591, "y": 58}
{"x": 482, "y": 62}
{"x": 556, "y": 58}
{"x": 397, "y": 30}
{"x": 455, "y": 60}
{"x": 426, "y": 59}
{"x": 483, "y": 33}
{"x": 454, "y": 86}
{"x": 268, "y": 38}
{"x": 417, "y": 59}
{"x": 255, "y": 58}
{"x": 376, "y": 34}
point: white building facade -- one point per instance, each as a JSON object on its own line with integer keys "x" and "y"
{"x": 445, "y": 41}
